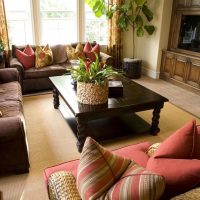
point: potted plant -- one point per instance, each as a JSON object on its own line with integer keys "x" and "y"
{"x": 92, "y": 81}
{"x": 132, "y": 13}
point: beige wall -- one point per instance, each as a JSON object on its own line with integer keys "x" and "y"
{"x": 149, "y": 48}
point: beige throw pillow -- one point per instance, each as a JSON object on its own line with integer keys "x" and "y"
{"x": 43, "y": 56}
{"x": 75, "y": 53}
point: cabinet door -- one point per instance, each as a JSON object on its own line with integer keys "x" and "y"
{"x": 183, "y": 3}
{"x": 193, "y": 74}
{"x": 195, "y": 3}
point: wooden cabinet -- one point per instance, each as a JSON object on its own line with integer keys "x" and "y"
{"x": 187, "y": 3}
{"x": 181, "y": 69}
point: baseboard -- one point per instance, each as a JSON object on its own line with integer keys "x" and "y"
{"x": 150, "y": 73}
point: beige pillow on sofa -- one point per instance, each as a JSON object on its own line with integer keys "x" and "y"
{"x": 43, "y": 56}
{"x": 75, "y": 54}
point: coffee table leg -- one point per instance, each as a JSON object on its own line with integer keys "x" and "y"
{"x": 155, "y": 119}
{"x": 81, "y": 136}
{"x": 56, "y": 102}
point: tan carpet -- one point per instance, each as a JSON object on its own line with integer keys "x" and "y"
{"x": 51, "y": 142}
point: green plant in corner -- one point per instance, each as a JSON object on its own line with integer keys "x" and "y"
{"x": 132, "y": 13}
{"x": 1, "y": 46}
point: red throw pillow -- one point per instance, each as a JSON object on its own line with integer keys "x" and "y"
{"x": 180, "y": 175}
{"x": 90, "y": 51}
{"x": 180, "y": 145}
{"x": 173, "y": 160}
{"x": 26, "y": 57}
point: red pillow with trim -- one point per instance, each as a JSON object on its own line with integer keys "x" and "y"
{"x": 181, "y": 144}
{"x": 90, "y": 51}
{"x": 26, "y": 57}
{"x": 174, "y": 160}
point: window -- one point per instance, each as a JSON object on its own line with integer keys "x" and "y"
{"x": 53, "y": 22}
{"x": 19, "y": 21}
{"x": 95, "y": 28}
{"x": 58, "y": 21}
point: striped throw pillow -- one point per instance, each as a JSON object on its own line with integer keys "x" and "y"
{"x": 98, "y": 170}
{"x": 137, "y": 184}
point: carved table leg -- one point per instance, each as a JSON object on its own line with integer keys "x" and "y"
{"x": 155, "y": 119}
{"x": 81, "y": 134}
{"x": 56, "y": 102}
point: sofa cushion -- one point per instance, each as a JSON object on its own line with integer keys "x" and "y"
{"x": 180, "y": 175}
{"x": 10, "y": 91}
{"x": 45, "y": 72}
{"x": 90, "y": 51}
{"x": 134, "y": 152}
{"x": 43, "y": 56}
{"x": 10, "y": 108}
{"x": 75, "y": 53}
{"x": 26, "y": 57}
{"x": 59, "y": 53}
{"x": 98, "y": 170}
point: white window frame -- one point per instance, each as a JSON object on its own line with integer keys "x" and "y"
{"x": 36, "y": 25}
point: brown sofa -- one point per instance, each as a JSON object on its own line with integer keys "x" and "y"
{"x": 13, "y": 141}
{"x": 38, "y": 79}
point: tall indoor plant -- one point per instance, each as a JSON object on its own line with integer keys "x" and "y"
{"x": 132, "y": 13}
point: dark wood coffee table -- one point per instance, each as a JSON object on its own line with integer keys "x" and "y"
{"x": 135, "y": 98}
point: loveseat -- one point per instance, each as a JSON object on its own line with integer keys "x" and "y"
{"x": 34, "y": 79}
{"x": 13, "y": 140}
{"x": 183, "y": 183}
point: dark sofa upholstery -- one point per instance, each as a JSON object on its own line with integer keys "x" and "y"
{"x": 38, "y": 79}
{"x": 13, "y": 141}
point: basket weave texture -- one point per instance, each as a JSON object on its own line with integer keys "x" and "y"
{"x": 92, "y": 94}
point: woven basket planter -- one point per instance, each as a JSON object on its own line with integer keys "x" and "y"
{"x": 92, "y": 94}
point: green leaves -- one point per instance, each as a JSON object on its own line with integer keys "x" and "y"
{"x": 97, "y": 6}
{"x": 147, "y": 13}
{"x": 133, "y": 13}
{"x": 92, "y": 72}
{"x": 150, "y": 29}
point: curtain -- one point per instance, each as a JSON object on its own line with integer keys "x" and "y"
{"x": 3, "y": 28}
{"x": 115, "y": 36}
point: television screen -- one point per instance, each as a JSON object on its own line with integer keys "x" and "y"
{"x": 189, "y": 36}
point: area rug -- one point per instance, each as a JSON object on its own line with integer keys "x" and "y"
{"x": 51, "y": 142}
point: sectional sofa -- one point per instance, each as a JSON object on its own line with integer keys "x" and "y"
{"x": 13, "y": 140}
{"x": 34, "y": 79}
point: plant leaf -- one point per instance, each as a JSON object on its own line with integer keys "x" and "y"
{"x": 147, "y": 13}
{"x": 140, "y": 2}
{"x": 139, "y": 21}
{"x": 140, "y": 31}
{"x": 150, "y": 29}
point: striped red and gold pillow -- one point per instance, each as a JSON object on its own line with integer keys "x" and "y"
{"x": 98, "y": 170}
{"x": 102, "y": 174}
{"x": 137, "y": 184}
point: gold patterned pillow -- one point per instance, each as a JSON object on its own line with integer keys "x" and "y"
{"x": 62, "y": 185}
{"x": 43, "y": 56}
{"x": 75, "y": 53}
{"x": 151, "y": 150}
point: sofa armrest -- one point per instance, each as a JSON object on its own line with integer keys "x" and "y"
{"x": 14, "y": 63}
{"x": 8, "y": 75}
{"x": 10, "y": 127}
{"x": 13, "y": 145}
{"x": 107, "y": 59}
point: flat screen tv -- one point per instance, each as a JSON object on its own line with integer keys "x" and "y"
{"x": 189, "y": 35}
